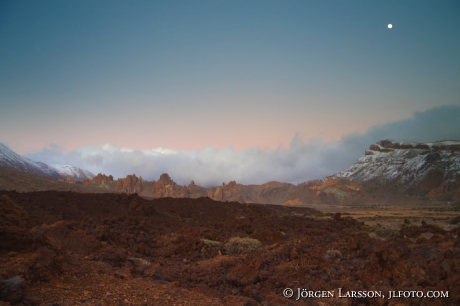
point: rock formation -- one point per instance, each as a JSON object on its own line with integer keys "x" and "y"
{"x": 130, "y": 184}
{"x": 68, "y": 179}
{"x": 424, "y": 169}
{"x": 101, "y": 181}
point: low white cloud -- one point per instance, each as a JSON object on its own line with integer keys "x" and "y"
{"x": 301, "y": 161}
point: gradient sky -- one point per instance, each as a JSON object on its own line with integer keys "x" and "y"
{"x": 187, "y": 75}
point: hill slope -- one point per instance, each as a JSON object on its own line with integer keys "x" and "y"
{"x": 76, "y": 173}
{"x": 12, "y": 179}
{"x": 10, "y": 159}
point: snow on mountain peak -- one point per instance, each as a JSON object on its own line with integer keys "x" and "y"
{"x": 77, "y": 173}
{"x": 10, "y": 159}
{"x": 406, "y": 164}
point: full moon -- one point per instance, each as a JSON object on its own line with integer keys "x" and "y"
{"x": 390, "y": 25}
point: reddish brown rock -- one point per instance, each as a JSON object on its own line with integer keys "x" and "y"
{"x": 100, "y": 180}
{"x": 14, "y": 222}
{"x": 234, "y": 300}
{"x": 45, "y": 264}
{"x": 165, "y": 179}
{"x": 105, "y": 240}
{"x": 68, "y": 179}
{"x": 242, "y": 275}
{"x": 416, "y": 231}
{"x": 130, "y": 184}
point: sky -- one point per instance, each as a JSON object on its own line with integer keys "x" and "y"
{"x": 214, "y": 91}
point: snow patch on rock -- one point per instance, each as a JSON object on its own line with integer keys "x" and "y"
{"x": 405, "y": 163}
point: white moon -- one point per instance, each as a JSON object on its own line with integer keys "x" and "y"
{"x": 390, "y": 25}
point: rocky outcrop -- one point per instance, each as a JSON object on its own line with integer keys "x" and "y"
{"x": 130, "y": 184}
{"x": 68, "y": 179}
{"x": 427, "y": 169}
{"x": 101, "y": 181}
{"x": 195, "y": 191}
{"x": 333, "y": 191}
{"x": 166, "y": 187}
{"x": 165, "y": 179}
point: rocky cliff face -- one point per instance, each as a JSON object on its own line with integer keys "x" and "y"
{"x": 130, "y": 184}
{"x": 431, "y": 169}
{"x": 166, "y": 187}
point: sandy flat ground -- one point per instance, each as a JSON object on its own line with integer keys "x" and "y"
{"x": 393, "y": 215}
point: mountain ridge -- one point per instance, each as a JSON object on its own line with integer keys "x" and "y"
{"x": 388, "y": 168}
{"x": 11, "y": 159}
{"x": 409, "y": 167}
{"x": 424, "y": 170}
{"x": 76, "y": 173}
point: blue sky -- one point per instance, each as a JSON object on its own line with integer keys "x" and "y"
{"x": 190, "y": 75}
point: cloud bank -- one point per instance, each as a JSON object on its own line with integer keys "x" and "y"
{"x": 301, "y": 161}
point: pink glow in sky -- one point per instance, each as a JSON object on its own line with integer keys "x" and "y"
{"x": 269, "y": 123}
{"x": 246, "y": 75}
{"x": 297, "y": 162}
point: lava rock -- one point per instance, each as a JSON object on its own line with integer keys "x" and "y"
{"x": 12, "y": 290}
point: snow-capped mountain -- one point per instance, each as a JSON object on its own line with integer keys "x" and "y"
{"x": 11, "y": 159}
{"x": 77, "y": 173}
{"x": 407, "y": 166}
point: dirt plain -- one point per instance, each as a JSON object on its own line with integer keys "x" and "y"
{"x": 67, "y": 248}
{"x": 391, "y": 214}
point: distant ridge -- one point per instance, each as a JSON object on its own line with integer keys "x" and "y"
{"x": 409, "y": 167}
{"x": 429, "y": 171}
{"x": 13, "y": 179}
{"x": 9, "y": 158}
{"x": 76, "y": 173}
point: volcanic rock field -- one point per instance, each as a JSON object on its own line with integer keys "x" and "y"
{"x": 67, "y": 248}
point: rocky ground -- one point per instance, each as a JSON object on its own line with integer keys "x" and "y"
{"x": 66, "y": 248}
